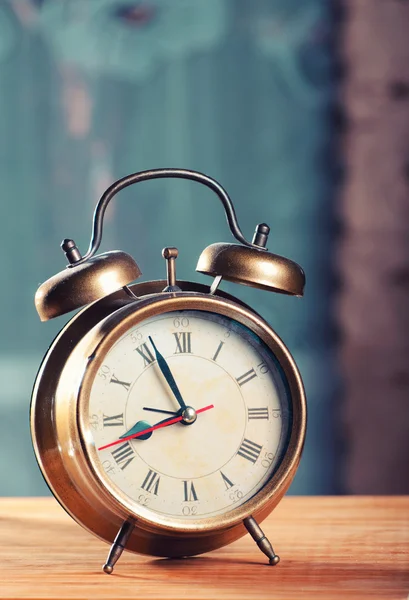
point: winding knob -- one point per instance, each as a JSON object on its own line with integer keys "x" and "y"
{"x": 170, "y": 254}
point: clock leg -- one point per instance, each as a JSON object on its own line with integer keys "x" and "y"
{"x": 262, "y": 542}
{"x": 118, "y": 546}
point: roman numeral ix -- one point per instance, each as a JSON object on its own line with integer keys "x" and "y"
{"x": 113, "y": 421}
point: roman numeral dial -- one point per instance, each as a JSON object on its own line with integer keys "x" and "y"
{"x": 187, "y": 468}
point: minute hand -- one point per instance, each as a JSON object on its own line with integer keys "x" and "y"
{"x": 164, "y": 367}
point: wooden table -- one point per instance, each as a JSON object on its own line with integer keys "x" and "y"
{"x": 339, "y": 547}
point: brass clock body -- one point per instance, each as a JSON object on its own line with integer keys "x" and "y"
{"x": 60, "y": 423}
{"x": 70, "y": 429}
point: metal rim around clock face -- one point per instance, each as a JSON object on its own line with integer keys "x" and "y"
{"x": 120, "y": 326}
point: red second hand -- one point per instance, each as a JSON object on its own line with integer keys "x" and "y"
{"x": 149, "y": 429}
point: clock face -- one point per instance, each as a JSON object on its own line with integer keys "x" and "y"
{"x": 209, "y": 405}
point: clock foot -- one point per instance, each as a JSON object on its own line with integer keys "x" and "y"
{"x": 118, "y": 546}
{"x": 262, "y": 542}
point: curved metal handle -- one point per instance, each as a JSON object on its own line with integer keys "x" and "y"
{"x": 159, "y": 174}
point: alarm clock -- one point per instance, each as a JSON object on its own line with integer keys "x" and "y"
{"x": 167, "y": 417}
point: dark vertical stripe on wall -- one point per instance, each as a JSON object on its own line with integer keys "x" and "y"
{"x": 374, "y": 256}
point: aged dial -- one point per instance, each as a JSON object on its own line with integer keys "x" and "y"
{"x": 189, "y": 414}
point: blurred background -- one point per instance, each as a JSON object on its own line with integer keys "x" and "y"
{"x": 301, "y": 110}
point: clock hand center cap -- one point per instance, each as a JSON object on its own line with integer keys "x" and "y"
{"x": 189, "y": 415}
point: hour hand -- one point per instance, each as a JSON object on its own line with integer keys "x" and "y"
{"x": 164, "y": 367}
{"x": 141, "y": 426}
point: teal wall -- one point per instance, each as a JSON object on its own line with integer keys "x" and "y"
{"x": 93, "y": 90}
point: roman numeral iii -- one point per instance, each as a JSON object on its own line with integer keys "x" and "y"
{"x": 183, "y": 342}
{"x": 146, "y": 354}
{"x": 258, "y": 413}
{"x": 123, "y": 455}
{"x": 249, "y": 450}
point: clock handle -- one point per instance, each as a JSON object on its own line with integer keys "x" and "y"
{"x": 94, "y": 277}
{"x": 75, "y": 257}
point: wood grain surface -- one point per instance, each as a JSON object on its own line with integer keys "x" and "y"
{"x": 339, "y": 547}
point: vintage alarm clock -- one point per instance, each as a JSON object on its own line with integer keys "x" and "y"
{"x": 167, "y": 417}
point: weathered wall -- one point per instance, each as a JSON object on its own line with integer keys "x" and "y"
{"x": 374, "y": 255}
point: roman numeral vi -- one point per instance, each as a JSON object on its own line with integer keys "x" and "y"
{"x": 190, "y": 492}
